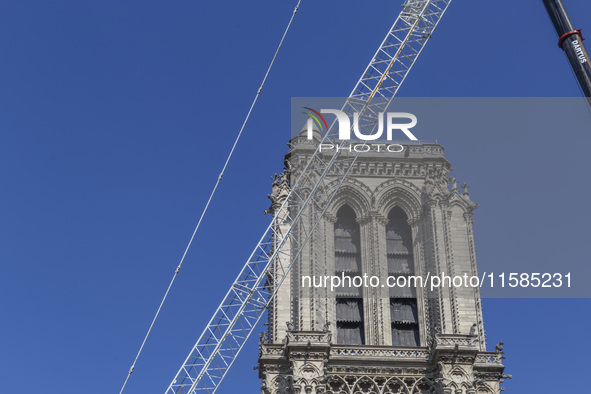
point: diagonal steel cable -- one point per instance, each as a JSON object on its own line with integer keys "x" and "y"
{"x": 178, "y": 268}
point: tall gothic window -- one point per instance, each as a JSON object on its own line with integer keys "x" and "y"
{"x": 403, "y": 300}
{"x": 349, "y": 299}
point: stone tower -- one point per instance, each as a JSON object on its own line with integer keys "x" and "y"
{"x": 397, "y": 215}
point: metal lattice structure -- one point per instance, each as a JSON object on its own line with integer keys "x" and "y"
{"x": 297, "y": 218}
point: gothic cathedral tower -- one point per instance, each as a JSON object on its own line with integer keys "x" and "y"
{"x": 397, "y": 215}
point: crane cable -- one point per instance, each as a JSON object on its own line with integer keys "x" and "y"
{"x": 178, "y": 268}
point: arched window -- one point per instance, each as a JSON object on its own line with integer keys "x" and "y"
{"x": 349, "y": 299}
{"x": 403, "y": 301}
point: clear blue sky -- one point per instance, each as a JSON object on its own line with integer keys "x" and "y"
{"x": 116, "y": 116}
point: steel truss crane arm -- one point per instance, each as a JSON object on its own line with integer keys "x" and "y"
{"x": 297, "y": 218}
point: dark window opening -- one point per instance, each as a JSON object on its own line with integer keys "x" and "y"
{"x": 349, "y": 299}
{"x": 403, "y": 301}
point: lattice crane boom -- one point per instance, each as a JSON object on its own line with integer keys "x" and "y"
{"x": 249, "y": 296}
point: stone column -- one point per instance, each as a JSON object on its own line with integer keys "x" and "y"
{"x": 331, "y": 313}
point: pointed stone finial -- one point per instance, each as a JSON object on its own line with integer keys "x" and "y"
{"x": 454, "y": 184}
{"x": 465, "y": 188}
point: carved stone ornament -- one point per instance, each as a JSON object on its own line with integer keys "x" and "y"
{"x": 280, "y": 190}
